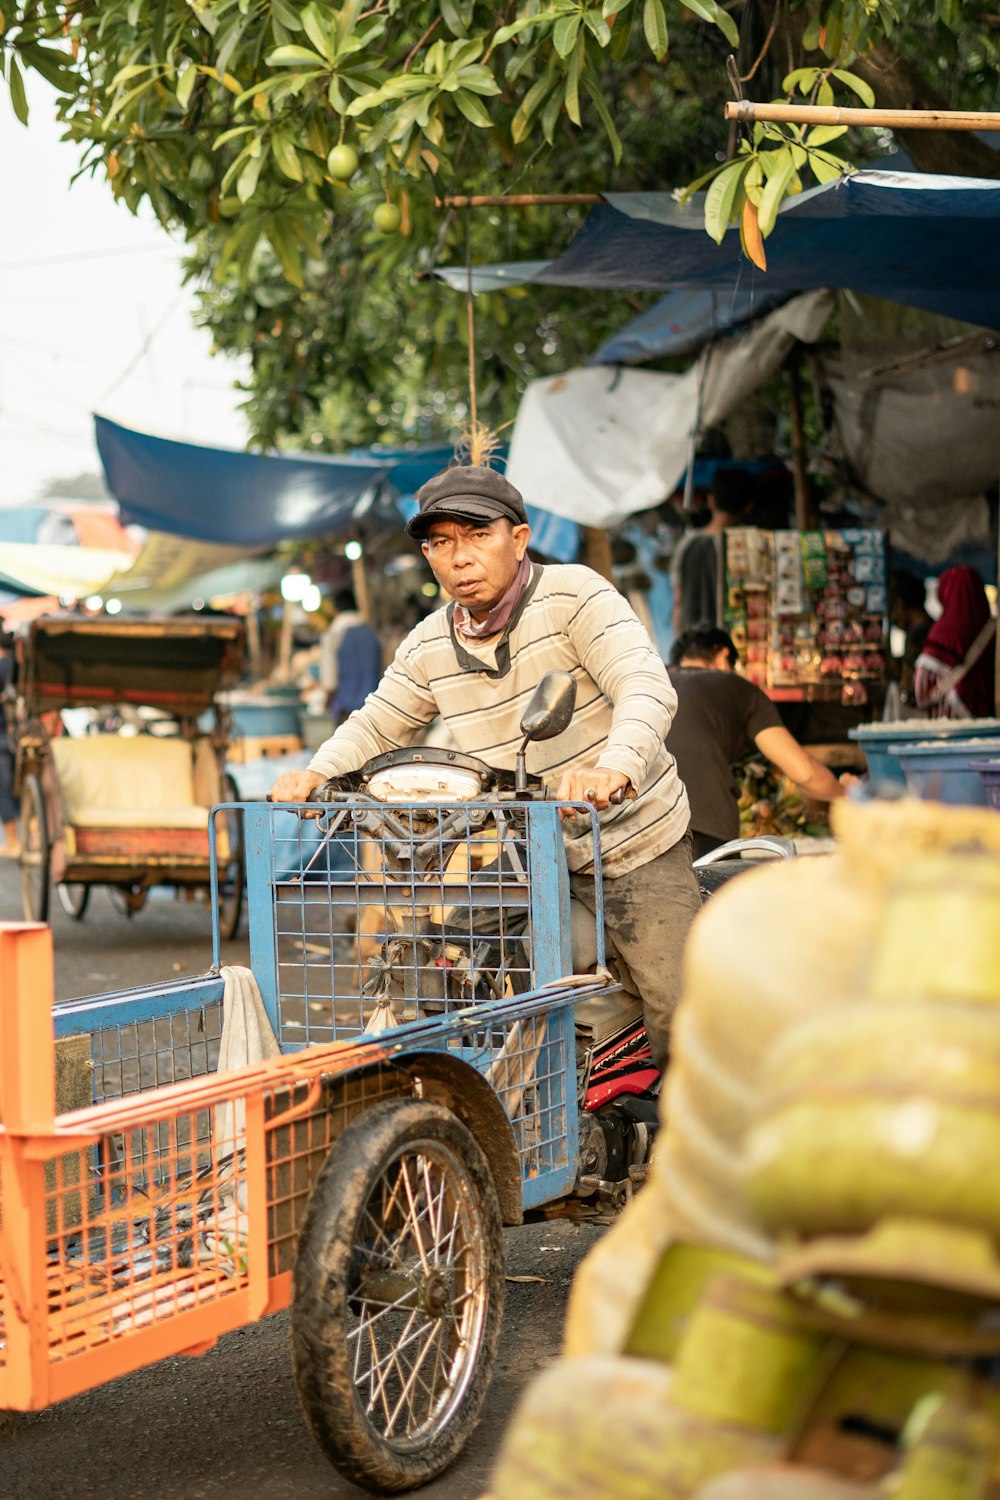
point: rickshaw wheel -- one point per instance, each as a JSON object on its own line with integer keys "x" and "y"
{"x": 399, "y": 1288}
{"x": 34, "y": 851}
{"x": 74, "y": 899}
{"x": 232, "y": 875}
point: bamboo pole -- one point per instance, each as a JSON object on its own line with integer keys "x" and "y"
{"x": 749, "y": 113}
{"x": 516, "y": 200}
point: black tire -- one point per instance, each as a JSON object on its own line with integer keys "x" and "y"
{"x": 232, "y": 874}
{"x": 35, "y": 886}
{"x": 74, "y": 900}
{"x": 369, "y": 1246}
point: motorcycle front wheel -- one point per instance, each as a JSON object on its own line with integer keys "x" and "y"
{"x": 399, "y": 1289}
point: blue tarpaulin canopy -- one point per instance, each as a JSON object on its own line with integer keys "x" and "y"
{"x": 923, "y": 240}
{"x": 258, "y": 500}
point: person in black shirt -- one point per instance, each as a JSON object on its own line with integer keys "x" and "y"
{"x": 721, "y": 718}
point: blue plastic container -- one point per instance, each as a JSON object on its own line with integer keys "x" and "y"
{"x": 944, "y": 770}
{"x": 881, "y": 741}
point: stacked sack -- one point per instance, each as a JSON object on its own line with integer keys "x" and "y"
{"x": 800, "y": 1300}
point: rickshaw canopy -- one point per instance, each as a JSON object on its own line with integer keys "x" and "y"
{"x": 177, "y": 664}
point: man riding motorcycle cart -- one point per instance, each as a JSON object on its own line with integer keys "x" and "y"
{"x": 476, "y": 664}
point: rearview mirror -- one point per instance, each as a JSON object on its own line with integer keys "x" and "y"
{"x": 551, "y": 707}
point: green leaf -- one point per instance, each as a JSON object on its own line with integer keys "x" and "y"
{"x": 571, "y": 95}
{"x": 803, "y": 79}
{"x": 472, "y": 108}
{"x": 506, "y": 32}
{"x": 709, "y": 10}
{"x": 453, "y": 18}
{"x": 479, "y": 79}
{"x": 246, "y": 184}
{"x": 18, "y": 99}
{"x": 826, "y": 167}
{"x": 564, "y": 34}
{"x": 286, "y": 14}
{"x": 782, "y": 170}
{"x": 230, "y": 135}
{"x": 286, "y": 156}
{"x": 288, "y": 57}
{"x": 318, "y": 34}
{"x": 600, "y": 104}
{"x": 598, "y": 27}
{"x": 753, "y": 182}
{"x": 185, "y": 86}
{"x": 550, "y": 116}
{"x": 819, "y": 135}
{"x": 286, "y": 250}
{"x": 720, "y": 200}
{"x": 654, "y": 24}
{"x": 55, "y": 67}
{"x": 125, "y": 74}
{"x": 614, "y": 7}
{"x": 531, "y": 103}
{"x": 851, "y": 81}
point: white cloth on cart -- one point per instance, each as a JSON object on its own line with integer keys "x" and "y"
{"x": 247, "y": 1038}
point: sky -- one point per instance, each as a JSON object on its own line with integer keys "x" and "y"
{"x": 93, "y": 317}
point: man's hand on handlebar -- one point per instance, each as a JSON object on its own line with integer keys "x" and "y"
{"x": 295, "y": 786}
{"x": 594, "y": 786}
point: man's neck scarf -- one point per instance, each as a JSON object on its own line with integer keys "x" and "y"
{"x": 499, "y": 616}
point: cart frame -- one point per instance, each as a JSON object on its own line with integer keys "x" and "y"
{"x": 101, "y": 1205}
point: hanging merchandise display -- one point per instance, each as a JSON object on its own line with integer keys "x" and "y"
{"x": 807, "y": 611}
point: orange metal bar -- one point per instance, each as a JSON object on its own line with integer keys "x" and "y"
{"x": 256, "y": 1190}
{"x": 27, "y": 1043}
{"x": 27, "y": 1104}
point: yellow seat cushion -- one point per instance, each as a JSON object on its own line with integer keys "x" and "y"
{"x": 111, "y": 781}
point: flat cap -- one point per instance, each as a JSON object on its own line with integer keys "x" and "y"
{"x": 466, "y": 492}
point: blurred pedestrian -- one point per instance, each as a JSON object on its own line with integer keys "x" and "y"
{"x": 954, "y": 674}
{"x": 10, "y": 849}
{"x": 350, "y": 663}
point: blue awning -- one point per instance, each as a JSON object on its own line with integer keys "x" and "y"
{"x": 253, "y": 499}
{"x": 923, "y": 240}
{"x": 256, "y": 500}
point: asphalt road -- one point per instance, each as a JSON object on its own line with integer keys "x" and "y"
{"x": 228, "y": 1423}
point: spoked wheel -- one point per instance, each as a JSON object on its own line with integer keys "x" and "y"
{"x": 74, "y": 900}
{"x": 232, "y": 871}
{"x": 399, "y": 1289}
{"x": 34, "y": 852}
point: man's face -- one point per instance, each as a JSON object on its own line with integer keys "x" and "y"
{"x": 476, "y": 563}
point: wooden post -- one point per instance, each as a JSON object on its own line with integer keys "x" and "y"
{"x": 283, "y": 670}
{"x": 254, "y": 649}
{"x": 359, "y": 583}
{"x": 803, "y": 509}
{"x": 749, "y": 113}
{"x": 597, "y": 551}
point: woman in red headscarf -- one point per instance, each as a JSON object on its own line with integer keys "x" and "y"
{"x": 954, "y": 673}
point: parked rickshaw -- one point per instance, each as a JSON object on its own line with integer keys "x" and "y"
{"x": 126, "y": 803}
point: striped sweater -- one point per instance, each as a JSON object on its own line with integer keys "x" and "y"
{"x": 568, "y": 618}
